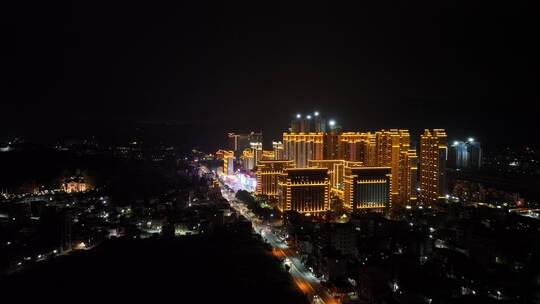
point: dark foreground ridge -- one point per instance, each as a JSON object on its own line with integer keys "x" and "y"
{"x": 196, "y": 269}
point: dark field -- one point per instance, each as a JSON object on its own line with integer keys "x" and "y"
{"x": 208, "y": 269}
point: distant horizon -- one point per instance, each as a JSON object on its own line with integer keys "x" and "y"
{"x": 191, "y": 134}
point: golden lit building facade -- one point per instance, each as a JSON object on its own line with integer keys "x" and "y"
{"x": 248, "y": 159}
{"x": 336, "y": 170}
{"x": 393, "y": 150}
{"x": 366, "y": 188}
{"x": 268, "y": 155}
{"x": 385, "y": 148}
{"x": 75, "y": 185}
{"x": 304, "y": 190}
{"x": 357, "y": 146}
{"x": 308, "y": 144}
{"x": 408, "y": 177}
{"x": 279, "y": 153}
{"x": 268, "y": 173}
{"x": 302, "y": 147}
{"x": 257, "y": 151}
{"x": 331, "y": 145}
{"x": 228, "y": 160}
{"x": 433, "y": 154}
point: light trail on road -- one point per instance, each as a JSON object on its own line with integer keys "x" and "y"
{"x": 304, "y": 279}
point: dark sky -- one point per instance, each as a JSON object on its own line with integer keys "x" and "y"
{"x": 230, "y": 66}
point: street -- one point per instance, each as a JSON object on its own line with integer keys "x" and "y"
{"x": 303, "y": 278}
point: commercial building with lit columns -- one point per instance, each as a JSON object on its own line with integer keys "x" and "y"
{"x": 336, "y": 171}
{"x": 268, "y": 174}
{"x": 305, "y": 190}
{"x": 366, "y": 188}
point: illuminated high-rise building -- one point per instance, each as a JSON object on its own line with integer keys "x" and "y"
{"x": 268, "y": 155}
{"x": 257, "y": 151}
{"x": 385, "y": 148}
{"x": 331, "y": 144}
{"x": 356, "y": 146}
{"x": 255, "y": 137}
{"x": 465, "y": 154}
{"x": 298, "y": 125}
{"x": 228, "y": 160}
{"x": 239, "y": 142}
{"x": 475, "y": 153}
{"x": 268, "y": 173}
{"x": 248, "y": 159}
{"x": 279, "y": 152}
{"x": 319, "y": 123}
{"x": 306, "y": 123}
{"x": 458, "y": 156}
{"x": 228, "y": 163}
{"x": 384, "y": 142}
{"x": 310, "y": 144}
{"x": 393, "y": 150}
{"x": 302, "y": 147}
{"x": 433, "y": 154}
{"x": 366, "y": 187}
{"x": 408, "y": 177}
{"x": 304, "y": 190}
{"x": 336, "y": 169}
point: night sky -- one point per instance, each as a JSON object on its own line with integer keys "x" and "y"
{"x": 236, "y": 67}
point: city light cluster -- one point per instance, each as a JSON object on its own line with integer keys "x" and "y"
{"x": 316, "y": 160}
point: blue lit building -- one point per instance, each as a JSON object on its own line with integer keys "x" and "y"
{"x": 465, "y": 154}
